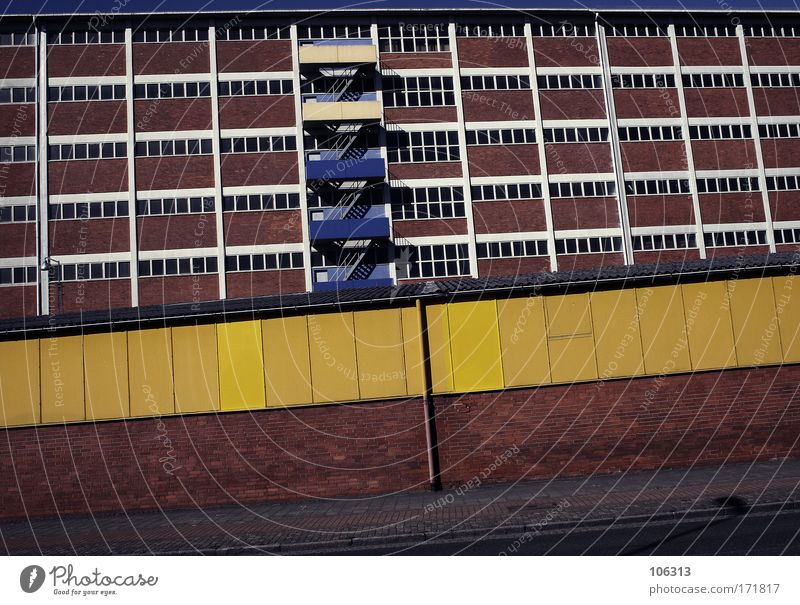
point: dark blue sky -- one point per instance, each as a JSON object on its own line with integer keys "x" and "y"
{"x": 145, "y": 6}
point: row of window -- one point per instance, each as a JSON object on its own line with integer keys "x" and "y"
{"x": 727, "y": 185}
{"x": 650, "y": 133}
{"x": 151, "y": 149}
{"x": 237, "y": 88}
{"x": 88, "y": 151}
{"x": 171, "y": 90}
{"x": 258, "y": 144}
{"x": 712, "y": 80}
{"x": 333, "y": 32}
{"x": 583, "y": 189}
{"x": 507, "y": 191}
{"x": 575, "y": 135}
{"x": 643, "y": 81}
{"x": 268, "y": 32}
{"x": 428, "y": 202}
{"x": 727, "y": 239}
{"x": 440, "y": 146}
{"x": 444, "y": 260}
{"x": 88, "y": 271}
{"x": 17, "y": 94}
{"x": 169, "y": 206}
{"x": 414, "y": 38}
{"x": 18, "y": 213}
{"x": 17, "y": 153}
{"x": 17, "y": 39}
{"x": 501, "y": 137}
{"x": 657, "y": 187}
{"x": 171, "y": 35}
{"x": 787, "y": 236}
{"x": 495, "y": 82}
{"x": 17, "y": 276}
{"x": 107, "y": 92}
{"x": 724, "y": 131}
{"x": 588, "y": 245}
{"x": 775, "y": 80}
{"x": 421, "y": 91}
{"x": 264, "y": 262}
{"x": 254, "y": 32}
{"x": 82, "y": 210}
{"x": 490, "y": 30}
{"x": 86, "y": 37}
{"x": 664, "y": 241}
{"x": 178, "y": 266}
{"x": 262, "y": 201}
{"x": 512, "y": 249}
{"x": 779, "y": 131}
{"x": 574, "y": 82}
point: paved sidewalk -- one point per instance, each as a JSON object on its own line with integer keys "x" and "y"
{"x": 300, "y": 526}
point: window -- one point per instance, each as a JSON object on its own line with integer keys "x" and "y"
{"x": 264, "y": 262}
{"x": 92, "y": 271}
{"x": 723, "y": 131}
{"x": 568, "y": 30}
{"x": 650, "y": 133}
{"x": 490, "y": 30}
{"x": 18, "y": 213}
{"x": 259, "y": 32}
{"x": 86, "y": 37}
{"x": 704, "y": 31}
{"x": 588, "y": 245}
{"x": 15, "y": 276}
{"x": 177, "y": 266}
{"x": 443, "y": 260}
{"x": 87, "y": 210}
{"x": 17, "y": 39}
{"x": 171, "y": 90}
{"x": 422, "y": 91}
{"x": 17, "y": 153}
{"x": 17, "y": 94}
{"x": 574, "y": 82}
{"x": 727, "y": 239}
{"x": 514, "y": 136}
{"x": 512, "y": 249}
{"x": 495, "y": 83}
{"x": 783, "y": 183}
{"x": 237, "y": 88}
{"x": 727, "y": 185}
{"x": 509, "y": 191}
{"x": 664, "y": 241}
{"x": 168, "y": 206}
{"x": 414, "y": 38}
{"x": 768, "y": 31}
{"x": 107, "y": 92}
{"x": 643, "y": 81}
{"x": 88, "y": 151}
{"x": 775, "y": 80}
{"x": 713, "y": 80}
{"x": 427, "y": 202}
{"x": 173, "y": 147}
{"x": 787, "y": 236}
{"x": 575, "y": 135}
{"x": 587, "y": 189}
{"x": 261, "y": 201}
{"x": 332, "y": 32}
{"x": 779, "y": 131}
{"x": 258, "y": 144}
{"x": 657, "y": 187}
{"x": 439, "y": 146}
{"x": 171, "y": 35}
{"x": 636, "y": 30}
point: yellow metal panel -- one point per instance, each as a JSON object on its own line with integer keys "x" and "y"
{"x": 523, "y": 338}
{"x": 19, "y": 383}
{"x": 105, "y": 362}
{"x": 475, "y": 346}
{"x": 322, "y": 112}
{"x": 150, "y": 372}
{"x": 755, "y": 324}
{"x": 361, "y": 110}
{"x": 572, "y": 359}
{"x": 379, "y": 351}
{"x": 438, "y": 333}
{"x": 318, "y": 54}
{"x": 62, "y": 379}
{"x": 241, "y": 365}
{"x": 414, "y": 367}
{"x": 568, "y": 315}
{"x": 787, "y": 305}
{"x": 617, "y": 340}
{"x": 663, "y": 330}
{"x": 194, "y": 360}
{"x": 334, "y": 375}
{"x": 708, "y": 325}
{"x": 356, "y": 53}
{"x": 288, "y": 368}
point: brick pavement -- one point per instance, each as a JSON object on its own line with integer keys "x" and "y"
{"x": 543, "y": 505}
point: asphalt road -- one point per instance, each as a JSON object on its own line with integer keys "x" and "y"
{"x": 747, "y": 534}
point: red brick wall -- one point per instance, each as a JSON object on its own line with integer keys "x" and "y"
{"x": 267, "y": 227}
{"x": 178, "y": 289}
{"x": 570, "y": 262}
{"x": 578, "y": 158}
{"x": 174, "y": 172}
{"x": 646, "y": 156}
{"x": 486, "y": 105}
{"x": 584, "y": 213}
{"x": 716, "y": 102}
{"x": 177, "y": 231}
{"x": 430, "y": 170}
{"x": 239, "y": 169}
{"x": 265, "y": 283}
{"x": 492, "y": 52}
{"x": 17, "y": 179}
{"x": 19, "y": 120}
{"x": 565, "y": 52}
{"x": 17, "y": 240}
{"x": 636, "y": 52}
{"x": 665, "y": 256}
{"x": 709, "y": 51}
{"x": 17, "y": 62}
{"x": 171, "y": 57}
{"x": 89, "y": 236}
{"x": 261, "y": 55}
{"x": 773, "y": 51}
{"x": 776, "y": 101}
{"x": 17, "y": 301}
{"x": 724, "y": 155}
{"x": 572, "y": 104}
{"x": 415, "y": 60}
{"x": 432, "y": 226}
{"x": 712, "y": 253}
{"x": 701, "y": 418}
{"x": 498, "y": 160}
{"x": 785, "y": 205}
{"x": 89, "y": 176}
{"x": 731, "y": 207}
{"x": 646, "y": 103}
{"x": 79, "y": 60}
{"x": 509, "y": 217}
{"x": 256, "y": 112}
{"x": 172, "y": 114}
{"x": 655, "y": 210}
{"x": 424, "y": 115}
{"x": 91, "y": 117}
{"x": 513, "y": 266}
{"x": 94, "y": 295}
{"x": 219, "y": 459}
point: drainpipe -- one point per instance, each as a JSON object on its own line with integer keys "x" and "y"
{"x": 427, "y": 401}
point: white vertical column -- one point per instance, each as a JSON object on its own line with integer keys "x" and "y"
{"x": 301, "y": 156}
{"x": 462, "y": 150}
{"x": 132, "y": 213}
{"x": 215, "y": 149}
{"x": 542, "y": 150}
{"x": 43, "y": 213}
{"x": 687, "y": 142}
{"x": 616, "y": 155}
{"x": 762, "y": 175}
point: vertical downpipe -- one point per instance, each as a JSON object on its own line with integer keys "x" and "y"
{"x": 434, "y": 470}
